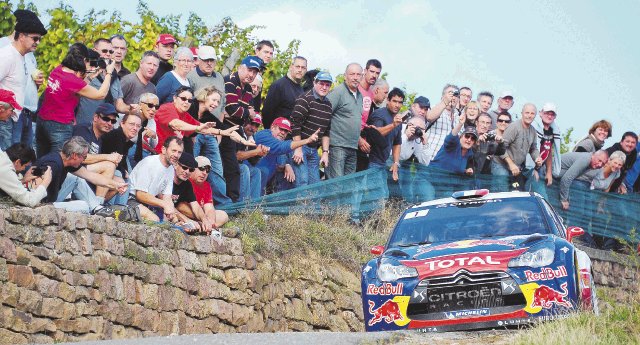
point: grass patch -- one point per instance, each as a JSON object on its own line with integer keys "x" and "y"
{"x": 618, "y": 323}
{"x": 330, "y": 236}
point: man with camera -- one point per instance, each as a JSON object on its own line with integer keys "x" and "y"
{"x": 487, "y": 146}
{"x": 441, "y": 119}
{"x": 413, "y": 159}
{"x": 387, "y": 121}
{"x": 87, "y": 107}
{"x": 15, "y": 160}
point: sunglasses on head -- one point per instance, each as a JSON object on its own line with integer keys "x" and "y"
{"x": 108, "y": 119}
{"x": 205, "y": 168}
{"x": 151, "y": 105}
{"x": 504, "y": 120}
{"x": 185, "y": 99}
{"x": 187, "y": 168}
{"x": 104, "y": 51}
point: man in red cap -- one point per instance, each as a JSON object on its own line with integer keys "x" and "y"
{"x": 274, "y": 139}
{"x": 165, "y": 46}
{"x": 8, "y": 105}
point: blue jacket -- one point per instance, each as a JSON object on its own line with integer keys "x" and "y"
{"x": 267, "y": 164}
{"x": 167, "y": 87}
{"x": 450, "y": 156}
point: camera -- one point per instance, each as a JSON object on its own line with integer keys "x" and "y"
{"x": 490, "y": 136}
{"x": 100, "y": 63}
{"x": 456, "y": 93}
{"x": 38, "y": 171}
{"x": 406, "y": 116}
{"x": 418, "y": 132}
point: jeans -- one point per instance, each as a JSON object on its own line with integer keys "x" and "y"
{"x": 207, "y": 146}
{"x": 22, "y": 129}
{"x": 132, "y": 152}
{"x": 342, "y": 161}
{"x": 6, "y": 133}
{"x": 414, "y": 185}
{"x": 281, "y": 184}
{"x": 308, "y": 171}
{"x": 51, "y": 135}
{"x": 250, "y": 182}
{"x": 79, "y": 188}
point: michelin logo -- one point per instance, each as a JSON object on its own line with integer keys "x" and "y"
{"x": 465, "y": 313}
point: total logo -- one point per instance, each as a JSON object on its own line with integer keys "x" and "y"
{"x": 546, "y": 274}
{"x": 473, "y": 262}
{"x": 466, "y": 313}
{"x": 385, "y": 289}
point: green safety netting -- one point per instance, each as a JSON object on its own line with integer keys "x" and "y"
{"x": 605, "y": 214}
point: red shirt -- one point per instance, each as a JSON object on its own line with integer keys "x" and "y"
{"x": 61, "y": 96}
{"x": 166, "y": 114}
{"x": 203, "y": 192}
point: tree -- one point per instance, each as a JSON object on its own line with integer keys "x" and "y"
{"x": 566, "y": 142}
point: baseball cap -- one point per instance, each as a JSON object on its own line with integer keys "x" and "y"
{"x": 203, "y": 161}
{"x": 252, "y": 62}
{"x": 549, "y": 107}
{"x": 257, "y": 120}
{"x": 187, "y": 160}
{"x": 471, "y": 130}
{"x": 9, "y": 97}
{"x": 106, "y": 109}
{"x": 422, "y": 101}
{"x": 206, "y": 53}
{"x": 324, "y": 76}
{"x": 282, "y": 123}
{"x": 166, "y": 39}
{"x": 506, "y": 94}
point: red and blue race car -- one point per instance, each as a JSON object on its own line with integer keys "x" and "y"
{"x": 476, "y": 260}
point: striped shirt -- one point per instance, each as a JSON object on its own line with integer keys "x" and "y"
{"x": 310, "y": 113}
{"x": 238, "y": 98}
{"x": 438, "y": 132}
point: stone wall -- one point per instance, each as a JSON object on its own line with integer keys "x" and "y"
{"x": 617, "y": 271}
{"x": 68, "y": 277}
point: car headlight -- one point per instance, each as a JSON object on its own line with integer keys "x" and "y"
{"x": 390, "y": 271}
{"x": 537, "y": 257}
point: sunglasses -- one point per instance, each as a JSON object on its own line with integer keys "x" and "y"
{"x": 35, "y": 38}
{"x": 205, "y": 168}
{"x": 470, "y": 136}
{"x": 504, "y": 121}
{"x": 104, "y": 51}
{"x": 185, "y": 99}
{"x": 151, "y": 105}
{"x": 187, "y": 168}
{"x": 108, "y": 119}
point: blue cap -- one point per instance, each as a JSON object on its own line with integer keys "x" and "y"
{"x": 106, "y": 109}
{"x": 252, "y": 62}
{"x": 324, "y": 76}
{"x": 422, "y": 101}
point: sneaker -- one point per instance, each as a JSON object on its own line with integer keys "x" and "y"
{"x": 104, "y": 211}
{"x": 217, "y": 236}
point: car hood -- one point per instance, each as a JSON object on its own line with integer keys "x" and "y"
{"x": 473, "y": 255}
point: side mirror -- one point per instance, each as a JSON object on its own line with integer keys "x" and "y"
{"x": 377, "y": 250}
{"x": 574, "y": 231}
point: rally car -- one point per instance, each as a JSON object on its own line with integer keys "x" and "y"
{"x": 476, "y": 260}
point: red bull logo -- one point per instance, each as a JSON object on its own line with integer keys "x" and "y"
{"x": 545, "y": 297}
{"x": 546, "y": 274}
{"x": 385, "y": 289}
{"x": 389, "y": 311}
{"x": 464, "y": 244}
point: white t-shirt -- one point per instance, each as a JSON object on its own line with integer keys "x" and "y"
{"x": 13, "y": 74}
{"x": 152, "y": 177}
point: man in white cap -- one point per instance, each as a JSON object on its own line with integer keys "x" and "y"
{"x": 205, "y": 75}
{"x": 203, "y": 210}
{"x": 549, "y": 136}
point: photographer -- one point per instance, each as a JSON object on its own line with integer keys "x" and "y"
{"x": 413, "y": 159}
{"x": 99, "y": 60}
{"x": 441, "y": 119}
{"x": 489, "y": 144}
{"x": 15, "y": 160}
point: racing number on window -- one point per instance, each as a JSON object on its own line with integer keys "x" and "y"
{"x": 416, "y": 214}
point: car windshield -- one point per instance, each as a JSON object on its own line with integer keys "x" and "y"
{"x": 469, "y": 219}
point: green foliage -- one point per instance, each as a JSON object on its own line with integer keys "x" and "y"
{"x": 566, "y": 142}
{"x": 67, "y": 27}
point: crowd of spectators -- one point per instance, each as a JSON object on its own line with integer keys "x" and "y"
{"x": 175, "y": 138}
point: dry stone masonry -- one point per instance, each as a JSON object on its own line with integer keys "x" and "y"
{"x": 69, "y": 277}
